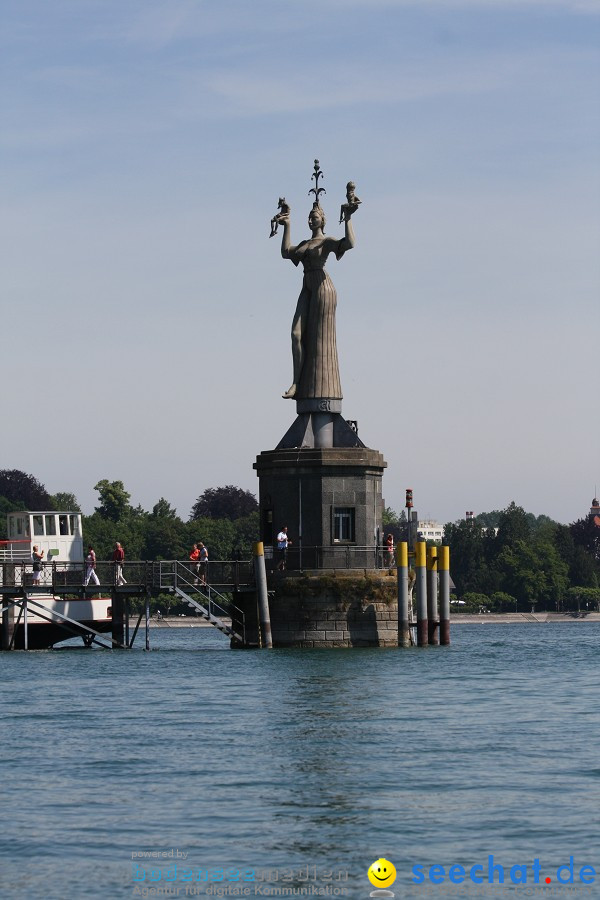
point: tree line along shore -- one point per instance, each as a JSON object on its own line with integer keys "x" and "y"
{"x": 503, "y": 561}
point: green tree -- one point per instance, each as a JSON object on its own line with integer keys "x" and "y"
{"x": 217, "y": 534}
{"x": 163, "y": 510}
{"x": 489, "y": 519}
{"x": 582, "y": 596}
{"x": 513, "y": 526}
{"x": 23, "y": 490}
{"x": 583, "y": 571}
{"x": 534, "y": 573}
{"x": 227, "y": 502}
{"x": 389, "y": 517}
{"x": 114, "y": 500}
{"x": 541, "y": 524}
{"x": 470, "y": 565}
{"x": 564, "y": 543}
{"x": 247, "y": 531}
{"x": 503, "y": 602}
{"x": 102, "y": 533}
{"x": 165, "y": 537}
{"x": 5, "y": 507}
{"x": 474, "y": 602}
{"x": 585, "y": 533}
{"x": 65, "y": 502}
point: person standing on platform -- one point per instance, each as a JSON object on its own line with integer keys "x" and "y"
{"x": 389, "y": 547}
{"x": 90, "y": 567}
{"x": 283, "y": 542}
{"x": 119, "y": 559}
{"x": 37, "y": 556}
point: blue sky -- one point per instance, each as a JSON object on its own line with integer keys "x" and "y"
{"x": 146, "y": 314}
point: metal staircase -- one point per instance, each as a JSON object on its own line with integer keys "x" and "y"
{"x": 182, "y": 580}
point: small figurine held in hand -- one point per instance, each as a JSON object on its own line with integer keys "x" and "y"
{"x": 352, "y": 202}
{"x": 277, "y": 218}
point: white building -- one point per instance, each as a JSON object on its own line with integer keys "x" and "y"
{"x": 430, "y": 530}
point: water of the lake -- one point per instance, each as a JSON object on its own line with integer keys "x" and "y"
{"x": 296, "y": 769}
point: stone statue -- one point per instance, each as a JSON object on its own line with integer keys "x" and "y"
{"x": 314, "y": 347}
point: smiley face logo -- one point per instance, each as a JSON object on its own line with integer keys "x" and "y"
{"x": 382, "y": 873}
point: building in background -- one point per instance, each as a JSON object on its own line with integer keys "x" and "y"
{"x": 430, "y": 530}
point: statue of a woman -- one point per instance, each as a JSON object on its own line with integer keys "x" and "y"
{"x": 314, "y": 348}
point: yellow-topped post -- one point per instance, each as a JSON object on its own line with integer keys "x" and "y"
{"x": 444, "y": 576}
{"x": 432, "y": 594}
{"x": 402, "y": 575}
{"x": 260, "y": 572}
{"x": 421, "y": 588}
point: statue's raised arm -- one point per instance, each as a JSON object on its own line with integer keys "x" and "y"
{"x": 314, "y": 348}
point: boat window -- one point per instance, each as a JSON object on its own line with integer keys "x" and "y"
{"x": 50, "y": 524}
{"x": 73, "y": 521}
{"x": 13, "y": 526}
{"x": 26, "y": 526}
{"x": 38, "y": 525}
{"x": 63, "y": 524}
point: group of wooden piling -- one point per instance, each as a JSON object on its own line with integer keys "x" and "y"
{"x": 431, "y": 588}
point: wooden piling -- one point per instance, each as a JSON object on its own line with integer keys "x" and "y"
{"x": 126, "y": 611}
{"x": 147, "y": 621}
{"x": 444, "y": 575}
{"x": 118, "y": 617}
{"x": 421, "y": 588}
{"x": 25, "y": 623}
{"x": 8, "y": 613}
{"x": 432, "y": 595}
{"x": 402, "y": 576}
{"x": 260, "y": 573}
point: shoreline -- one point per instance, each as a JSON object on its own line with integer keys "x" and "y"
{"x": 542, "y": 618}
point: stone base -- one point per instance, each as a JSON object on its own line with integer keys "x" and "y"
{"x": 329, "y": 610}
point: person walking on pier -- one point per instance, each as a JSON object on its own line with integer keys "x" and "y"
{"x": 37, "y": 556}
{"x": 90, "y": 567}
{"x": 195, "y": 558}
{"x": 119, "y": 559}
{"x": 203, "y": 564}
{"x": 282, "y": 547}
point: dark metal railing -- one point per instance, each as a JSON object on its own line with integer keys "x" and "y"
{"x": 226, "y": 575}
{"x": 336, "y": 556}
{"x": 185, "y": 579}
{"x": 58, "y": 576}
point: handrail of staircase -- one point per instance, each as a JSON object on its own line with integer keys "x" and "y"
{"x": 185, "y": 576}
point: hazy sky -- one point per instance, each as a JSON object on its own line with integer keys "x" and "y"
{"x": 146, "y": 314}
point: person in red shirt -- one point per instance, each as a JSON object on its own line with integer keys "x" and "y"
{"x": 118, "y": 559}
{"x": 195, "y": 558}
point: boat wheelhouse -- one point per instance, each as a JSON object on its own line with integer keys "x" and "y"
{"x": 58, "y": 606}
{"x": 58, "y": 534}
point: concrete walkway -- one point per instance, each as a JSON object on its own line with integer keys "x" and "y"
{"x": 520, "y": 618}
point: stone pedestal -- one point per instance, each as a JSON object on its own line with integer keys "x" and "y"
{"x": 322, "y": 611}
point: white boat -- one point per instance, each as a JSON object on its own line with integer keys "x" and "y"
{"x": 59, "y": 608}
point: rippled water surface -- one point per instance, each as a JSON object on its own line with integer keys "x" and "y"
{"x": 287, "y": 759}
